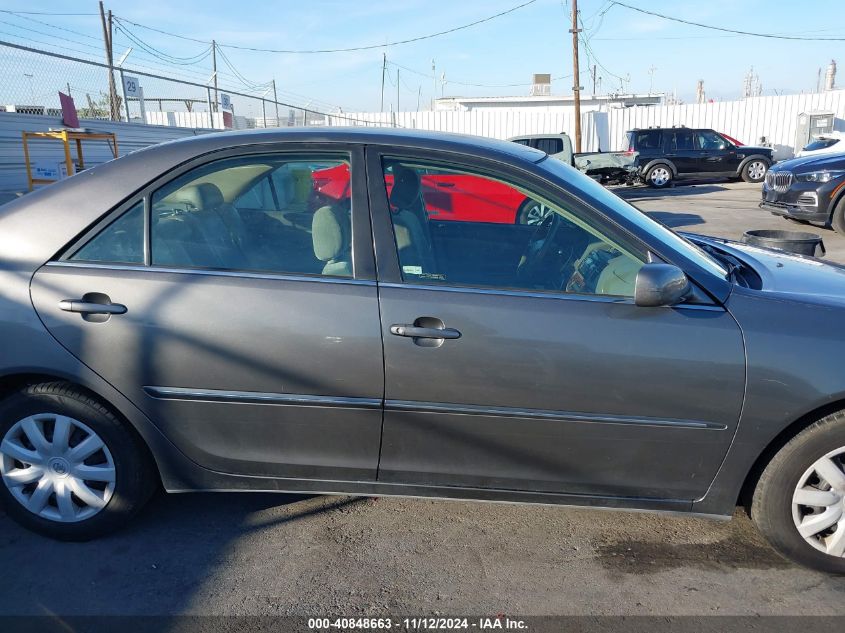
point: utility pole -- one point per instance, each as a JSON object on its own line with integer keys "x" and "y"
{"x": 397, "y": 91}
{"x": 275, "y": 102}
{"x": 434, "y": 85}
{"x": 651, "y": 79}
{"x": 593, "y": 73}
{"x": 383, "y": 71}
{"x": 107, "y": 33}
{"x": 576, "y": 89}
{"x": 214, "y": 70}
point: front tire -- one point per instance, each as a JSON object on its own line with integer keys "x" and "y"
{"x": 755, "y": 170}
{"x": 837, "y": 218}
{"x": 659, "y": 176}
{"x": 799, "y": 501}
{"x": 71, "y": 469}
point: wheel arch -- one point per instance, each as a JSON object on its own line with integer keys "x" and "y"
{"x": 746, "y": 491}
{"x": 660, "y": 161}
{"x": 11, "y": 383}
{"x": 748, "y": 159}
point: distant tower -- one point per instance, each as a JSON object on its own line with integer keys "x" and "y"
{"x": 700, "y": 96}
{"x": 830, "y": 76}
{"x": 751, "y": 85}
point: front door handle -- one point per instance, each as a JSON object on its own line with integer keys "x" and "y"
{"x": 424, "y": 332}
{"x": 90, "y": 307}
{"x": 94, "y": 307}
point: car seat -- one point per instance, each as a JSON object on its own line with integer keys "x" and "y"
{"x": 332, "y": 240}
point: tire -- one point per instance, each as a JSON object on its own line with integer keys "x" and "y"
{"x": 837, "y": 218}
{"x": 532, "y": 212}
{"x": 755, "y": 170}
{"x": 659, "y": 176}
{"x": 76, "y": 506}
{"x": 793, "y": 468}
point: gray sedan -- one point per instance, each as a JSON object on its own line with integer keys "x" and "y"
{"x": 356, "y": 311}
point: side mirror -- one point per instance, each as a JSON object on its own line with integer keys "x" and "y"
{"x": 660, "y": 285}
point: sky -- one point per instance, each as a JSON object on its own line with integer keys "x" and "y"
{"x": 632, "y": 51}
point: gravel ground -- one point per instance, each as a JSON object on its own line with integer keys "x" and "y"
{"x": 260, "y": 554}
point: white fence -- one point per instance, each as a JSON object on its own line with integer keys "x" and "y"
{"x": 130, "y": 137}
{"x": 774, "y": 118}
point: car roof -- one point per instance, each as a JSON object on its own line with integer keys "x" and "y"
{"x": 397, "y": 137}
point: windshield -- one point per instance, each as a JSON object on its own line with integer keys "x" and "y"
{"x": 591, "y": 189}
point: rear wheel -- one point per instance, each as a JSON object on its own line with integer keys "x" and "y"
{"x": 71, "y": 469}
{"x": 659, "y": 176}
{"x": 755, "y": 171}
{"x": 799, "y": 501}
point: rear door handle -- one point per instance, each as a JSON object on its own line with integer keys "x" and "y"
{"x": 89, "y": 307}
{"x": 424, "y": 332}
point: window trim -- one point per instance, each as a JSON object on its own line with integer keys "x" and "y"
{"x": 387, "y": 256}
{"x": 363, "y": 259}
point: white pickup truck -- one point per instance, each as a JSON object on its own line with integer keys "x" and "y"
{"x": 608, "y": 168}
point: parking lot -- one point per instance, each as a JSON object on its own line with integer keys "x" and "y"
{"x": 280, "y": 554}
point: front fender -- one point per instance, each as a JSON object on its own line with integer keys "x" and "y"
{"x": 748, "y": 159}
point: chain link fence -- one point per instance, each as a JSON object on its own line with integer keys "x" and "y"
{"x": 32, "y": 80}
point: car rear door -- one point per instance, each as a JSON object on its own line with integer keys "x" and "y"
{"x": 680, "y": 149}
{"x": 499, "y": 380}
{"x": 251, "y": 341}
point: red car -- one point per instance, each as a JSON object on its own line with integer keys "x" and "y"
{"x": 448, "y": 196}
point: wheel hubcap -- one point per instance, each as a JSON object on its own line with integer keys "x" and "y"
{"x": 756, "y": 170}
{"x": 57, "y": 467}
{"x": 818, "y": 504}
{"x": 536, "y": 213}
{"x": 660, "y": 176}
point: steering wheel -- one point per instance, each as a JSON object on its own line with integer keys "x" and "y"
{"x": 539, "y": 244}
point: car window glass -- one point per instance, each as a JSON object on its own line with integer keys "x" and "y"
{"x": 709, "y": 140}
{"x": 549, "y": 145}
{"x": 456, "y": 227}
{"x": 268, "y": 213}
{"x": 121, "y": 242}
{"x": 648, "y": 139}
{"x": 682, "y": 141}
{"x": 822, "y": 143}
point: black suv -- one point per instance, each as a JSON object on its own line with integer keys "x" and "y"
{"x": 677, "y": 152}
{"x": 810, "y": 189}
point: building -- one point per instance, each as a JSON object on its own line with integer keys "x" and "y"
{"x": 545, "y": 103}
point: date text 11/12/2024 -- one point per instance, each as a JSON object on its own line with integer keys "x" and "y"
{"x": 498, "y": 622}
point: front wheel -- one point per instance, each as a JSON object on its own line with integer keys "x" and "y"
{"x": 659, "y": 176}
{"x": 799, "y": 501}
{"x": 755, "y": 171}
{"x": 71, "y": 469}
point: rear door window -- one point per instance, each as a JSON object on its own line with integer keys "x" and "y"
{"x": 549, "y": 145}
{"x": 682, "y": 140}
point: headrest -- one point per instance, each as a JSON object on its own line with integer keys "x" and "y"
{"x": 330, "y": 233}
{"x": 406, "y": 188}
{"x": 204, "y": 195}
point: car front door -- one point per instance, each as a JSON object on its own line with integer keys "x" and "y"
{"x": 252, "y": 341}
{"x": 715, "y": 156}
{"x": 516, "y": 359}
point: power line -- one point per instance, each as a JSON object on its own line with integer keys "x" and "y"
{"x": 342, "y": 50}
{"x": 44, "y": 13}
{"x": 172, "y": 59}
{"x": 20, "y": 14}
{"x": 726, "y": 30}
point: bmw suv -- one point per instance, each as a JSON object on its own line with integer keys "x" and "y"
{"x": 667, "y": 154}
{"x": 809, "y": 189}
